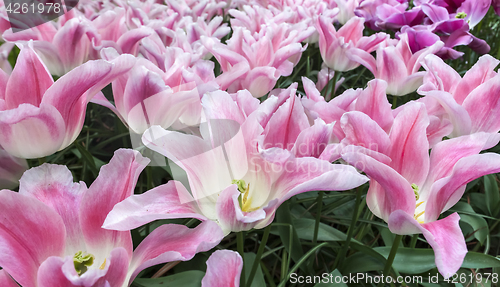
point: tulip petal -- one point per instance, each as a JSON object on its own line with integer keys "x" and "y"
{"x": 475, "y": 76}
{"x": 484, "y": 115}
{"x": 170, "y": 200}
{"x": 29, "y": 80}
{"x": 223, "y": 269}
{"x": 54, "y": 186}
{"x": 410, "y": 148}
{"x": 373, "y": 102}
{"x": 172, "y": 242}
{"x": 7, "y": 281}
{"x": 361, "y": 130}
{"x": 394, "y": 192}
{"x": 31, "y": 132}
{"x": 116, "y": 182}
{"x": 447, "y": 191}
{"x": 28, "y": 238}
{"x": 444, "y": 236}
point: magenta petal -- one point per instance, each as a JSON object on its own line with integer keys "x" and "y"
{"x": 170, "y": 200}
{"x": 172, "y": 242}
{"x": 223, "y": 269}
{"x": 31, "y": 132}
{"x": 29, "y": 80}
{"x": 116, "y": 182}
{"x": 28, "y": 238}
{"x": 7, "y": 281}
{"x": 54, "y": 186}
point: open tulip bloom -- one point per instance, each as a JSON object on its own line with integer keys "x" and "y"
{"x": 51, "y": 235}
{"x": 232, "y": 182}
{"x": 412, "y": 188}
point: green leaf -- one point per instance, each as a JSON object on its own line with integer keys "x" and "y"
{"x": 258, "y": 280}
{"x": 335, "y": 274}
{"x": 305, "y": 230}
{"x": 87, "y": 157}
{"x": 478, "y": 224}
{"x": 492, "y": 194}
{"x": 185, "y": 279}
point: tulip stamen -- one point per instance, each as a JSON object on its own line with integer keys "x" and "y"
{"x": 418, "y": 215}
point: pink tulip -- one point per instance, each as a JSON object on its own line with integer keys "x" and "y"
{"x": 39, "y": 116}
{"x": 223, "y": 269}
{"x": 397, "y": 65}
{"x": 51, "y": 235}
{"x": 455, "y": 98}
{"x": 412, "y": 189}
{"x": 334, "y": 45}
{"x": 232, "y": 182}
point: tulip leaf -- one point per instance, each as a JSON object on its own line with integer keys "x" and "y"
{"x": 332, "y": 283}
{"x": 492, "y": 194}
{"x": 87, "y": 157}
{"x": 186, "y": 279}
{"x": 478, "y": 224}
{"x": 258, "y": 279}
{"x": 305, "y": 230}
{"x": 412, "y": 261}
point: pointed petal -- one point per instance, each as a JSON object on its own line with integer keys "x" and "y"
{"x": 373, "y": 102}
{"x": 29, "y": 80}
{"x": 395, "y": 192}
{"x": 30, "y": 232}
{"x": 116, "y": 182}
{"x": 410, "y": 148}
{"x": 223, "y": 269}
{"x": 54, "y": 186}
{"x": 458, "y": 114}
{"x": 220, "y": 105}
{"x": 447, "y": 191}
{"x": 444, "y": 236}
{"x": 312, "y": 141}
{"x": 170, "y": 200}
{"x": 478, "y": 74}
{"x": 172, "y": 242}
{"x": 361, "y": 130}
{"x": 31, "y": 132}
{"x": 439, "y": 76}
{"x": 484, "y": 115}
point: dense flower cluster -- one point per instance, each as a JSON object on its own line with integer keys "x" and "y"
{"x": 245, "y": 145}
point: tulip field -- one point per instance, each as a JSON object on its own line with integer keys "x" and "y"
{"x": 224, "y": 143}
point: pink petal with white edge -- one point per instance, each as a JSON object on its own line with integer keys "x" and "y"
{"x": 444, "y": 236}
{"x": 475, "y": 76}
{"x": 361, "y": 130}
{"x": 410, "y": 148}
{"x": 260, "y": 80}
{"x": 395, "y": 192}
{"x": 7, "y": 281}
{"x": 31, "y": 132}
{"x": 373, "y": 102}
{"x": 440, "y": 76}
{"x": 29, "y": 80}
{"x": 457, "y": 114}
{"x": 312, "y": 141}
{"x": 30, "y": 232}
{"x": 116, "y": 182}
{"x": 484, "y": 116}
{"x": 170, "y": 200}
{"x": 306, "y": 174}
{"x": 172, "y": 242}
{"x": 220, "y": 105}
{"x": 54, "y": 186}
{"x": 223, "y": 269}
{"x": 447, "y": 191}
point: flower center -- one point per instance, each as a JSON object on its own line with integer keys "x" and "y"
{"x": 243, "y": 199}
{"x": 461, "y": 15}
{"x": 82, "y": 262}
{"x": 417, "y": 196}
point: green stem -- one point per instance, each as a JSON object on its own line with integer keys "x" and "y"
{"x": 390, "y": 259}
{"x": 335, "y": 79}
{"x": 262, "y": 246}
{"x": 149, "y": 175}
{"x": 240, "y": 241}
{"x": 319, "y": 202}
{"x": 413, "y": 242}
{"x": 340, "y": 259}
{"x": 301, "y": 261}
{"x": 42, "y": 160}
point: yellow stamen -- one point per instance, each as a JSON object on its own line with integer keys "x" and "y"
{"x": 103, "y": 264}
{"x": 418, "y": 215}
{"x": 418, "y": 204}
